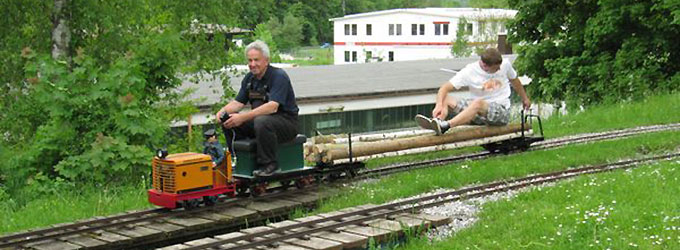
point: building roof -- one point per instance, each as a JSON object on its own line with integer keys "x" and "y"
{"x": 327, "y": 83}
{"x": 348, "y": 87}
{"x": 468, "y": 13}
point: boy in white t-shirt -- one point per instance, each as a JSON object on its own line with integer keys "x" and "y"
{"x": 489, "y": 82}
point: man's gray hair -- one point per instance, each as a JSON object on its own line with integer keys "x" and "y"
{"x": 258, "y": 45}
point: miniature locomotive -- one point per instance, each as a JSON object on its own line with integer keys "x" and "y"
{"x": 189, "y": 179}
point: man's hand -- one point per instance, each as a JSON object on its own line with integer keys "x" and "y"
{"x": 235, "y": 120}
{"x": 440, "y": 112}
{"x": 217, "y": 116}
{"x": 527, "y": 103}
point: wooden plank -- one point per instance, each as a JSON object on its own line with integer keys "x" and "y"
{"x": 435, "y": 220}
{"x": 174, "y": 247}
{"x": 270, "y": 206}
{"x": 378, "y": 234}
{"x": 310, "y": 242}
{"x": 83, "y": 240}
{"x": 55, "y": 245}
{"x": 391, "y": 225}
{"x": 305, "y": 199}
{"x": 315, "y": 243}
{"x": 348, "y": 240}
{"x": 187, "y": 222}
{"x": 138, "y": 232}
{"x": 213, "y": 216}
{"x": 163, "y": 227}
{"x": 237, "y": 212}
{"x": 110, "y": 237}
{"x": 411, "y": 222}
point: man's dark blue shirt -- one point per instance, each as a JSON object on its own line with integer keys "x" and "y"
{"x": 280, "y": 89}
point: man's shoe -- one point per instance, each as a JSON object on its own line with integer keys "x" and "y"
{"x": 440, "y": 127}
{"x": 267, "y": 170}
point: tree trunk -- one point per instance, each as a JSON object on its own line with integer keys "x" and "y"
{"x": 61, "y": 31}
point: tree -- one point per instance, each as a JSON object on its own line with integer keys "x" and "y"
{"x": 460, "y": 45}
{"x": 587, "y": 52}
{"x": 96, "y": 117}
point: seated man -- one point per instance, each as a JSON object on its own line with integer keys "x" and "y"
{"x": 212, "y": 147}
{"x": 273, "y": 118}
{"x": 489, "y": 82}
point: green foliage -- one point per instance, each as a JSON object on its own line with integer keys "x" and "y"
{"x": 587, "y": 52}
{"x": 262, "y": 32}
{"x": 98, "y": 118}
{"x": 460, "y": 47}
{"x": 286, "y": 34}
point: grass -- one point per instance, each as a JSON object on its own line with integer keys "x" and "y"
{"x": 653, "y": 110}
{"x": 70, "y": 206}
{"x": 312, "y": 56}
{"x": 606, "y": 211}
{"x": 513, "y": 166}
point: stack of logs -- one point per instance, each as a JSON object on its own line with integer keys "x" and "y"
{"x": 330, "y": 148}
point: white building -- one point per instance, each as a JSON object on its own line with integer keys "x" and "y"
{"x": 412, "y": 34}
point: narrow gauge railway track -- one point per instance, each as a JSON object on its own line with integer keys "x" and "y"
{"x": 333, "y": 223}
{"x": 19, "y": 239}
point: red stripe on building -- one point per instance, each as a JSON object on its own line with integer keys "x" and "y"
{"x": 441, "y": 22}
{"x": 399, "y": 43}
{"x": 406, "y": 43}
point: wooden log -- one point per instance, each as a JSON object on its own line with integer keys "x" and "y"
{"x": 343, "y": 138}
{"x": 448, "y": 146}
{"x": 329, "y": 154}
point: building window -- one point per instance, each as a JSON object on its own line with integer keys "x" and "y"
{"x": 481, "y": 27}
{"x": 354, "y": 56}
{"x": 346, "y": 56}
{"x": 468, "y": 29}
{"x": 502, "y": 27}
{"x": 391, "y": 56}
{"x": 346, "y": 29}
{"x": 354, "y": 29}
{"x": 369, "y": 55}
{"x": 417, "y": 29}
{"x": 392, "y": 31}
{"x": 369, "y": 30}
{"x": 441, "y": 29}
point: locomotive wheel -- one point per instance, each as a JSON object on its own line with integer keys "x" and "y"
{"x": 191, "y": 204}
{"x": 258, "y": 190}
{"x": 302, "y": 182}
{"x": 242, "y": 191}
{"x": 210, "y": 200}
{"x": 285, "y": 184}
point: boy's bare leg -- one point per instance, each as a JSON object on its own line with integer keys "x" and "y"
{"x": 476, "y": 107}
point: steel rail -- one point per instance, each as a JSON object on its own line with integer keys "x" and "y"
{"x": 285, "y": 232}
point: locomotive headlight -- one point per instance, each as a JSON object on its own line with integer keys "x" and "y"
{"x": 162, "y": 153}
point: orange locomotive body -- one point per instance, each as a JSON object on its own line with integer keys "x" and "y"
{"x": 189, "y": 179}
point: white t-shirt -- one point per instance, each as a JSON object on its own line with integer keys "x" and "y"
{"x": 473, "y": 76}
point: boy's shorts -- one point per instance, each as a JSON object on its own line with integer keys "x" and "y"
{"x": 497, "y": 115}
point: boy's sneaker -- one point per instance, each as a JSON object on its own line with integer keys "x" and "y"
{"x": 440, "y": 127}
